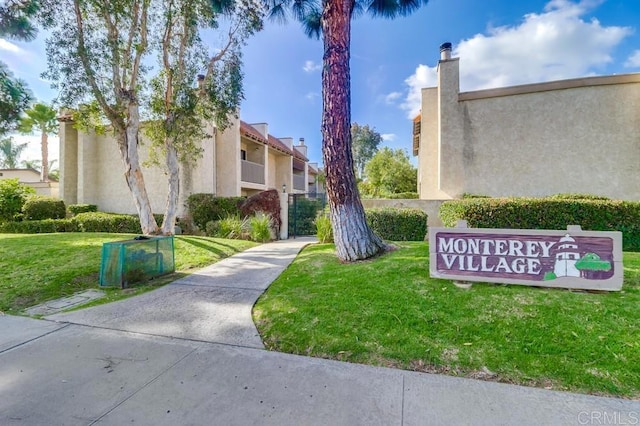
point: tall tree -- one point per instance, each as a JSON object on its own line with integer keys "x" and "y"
{"x": 10, "y": 153}
{"x": 364, "y": 144}
{"x": 180, "y": 111}
{"x": 95, "y": 55}
{"x": 332, "y": 18}
{"x": 391, "y": 172}
{"x": 41, "y": 117}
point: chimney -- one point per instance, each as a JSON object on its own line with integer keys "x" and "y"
{"x": 302, "y": 148}
{"x": 445, "y": 51}
{"x": 200, "y": 81}
{"x": 287, "y": 141}
{"x": 262, "y": 128}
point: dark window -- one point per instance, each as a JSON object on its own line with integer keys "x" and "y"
{"x": 243, "y": 154}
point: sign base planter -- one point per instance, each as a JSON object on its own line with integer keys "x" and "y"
{"x": 573, "y": 259}
{"x": 137, "y": 260}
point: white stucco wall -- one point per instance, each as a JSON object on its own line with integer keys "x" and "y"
{"x": 578, "y": 136}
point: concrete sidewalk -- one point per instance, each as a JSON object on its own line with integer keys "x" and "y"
{"x": 100, "y": 366}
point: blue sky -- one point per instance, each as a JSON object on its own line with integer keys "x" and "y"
{"x": 499, "y": 42}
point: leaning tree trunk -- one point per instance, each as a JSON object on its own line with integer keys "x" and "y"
{"x": 44, "y": 146}
{"x": 128, "y": 144}
{"x": 171, "y": 210}
{"x": 353, "y": 237}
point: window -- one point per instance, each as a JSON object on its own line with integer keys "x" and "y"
{"x": 243, "y": 154}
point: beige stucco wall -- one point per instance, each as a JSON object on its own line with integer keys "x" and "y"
{"x": 227, "y": 161}
{"x": 68, "y": 150}
{"x": 578, "y": 136}
{"x": 23, "y": 175}
{"x": 93, "y": 173}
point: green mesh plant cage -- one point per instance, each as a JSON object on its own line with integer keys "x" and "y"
{"x": 138, "y": 260}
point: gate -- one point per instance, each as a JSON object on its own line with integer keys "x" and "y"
{"x": 303, "y": 209}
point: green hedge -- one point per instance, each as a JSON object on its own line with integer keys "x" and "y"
{"x": 39, "y": 226}
{"x": 548, "y": 213}
{"x": 207, "y": 207}
{"x": 75, "y": 209}
{"x": 398, "y": 224}
{"x": 107, "y": 222}
{"x": 38, "y": 207}
{"x": 403, "y": 196}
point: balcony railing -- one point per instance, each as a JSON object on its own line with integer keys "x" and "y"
{"x": 252, "y": 172}
{"x": 298, "y": 182}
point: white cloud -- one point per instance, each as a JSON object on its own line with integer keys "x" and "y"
{"x": 312, "y": 96}
{"x": 424, "y": 76}
{"x": 9, "y": 47}
{"x": 388, "y": 137}
{"x": 392, "y": 97}
{"x": 310, "y": 66}
{"x": 554, "y": 44}
{"x": 634, "y": 60}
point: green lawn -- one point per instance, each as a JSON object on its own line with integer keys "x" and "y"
{"x": 388, "y": 312}
{"x": 37, "y": 268}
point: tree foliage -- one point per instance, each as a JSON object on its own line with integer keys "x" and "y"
{"x": 42, "y": 118}
{"x": 364, "y": 144}
{"x": 101, "y": 59}
{"x": 10, "y": 153}
{"x": 16, "y": 19}
{"x": 15, "y": 97}
{"x": 390, "y": 172}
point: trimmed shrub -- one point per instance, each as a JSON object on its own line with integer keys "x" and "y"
{"x": 232, "y": 227}
{"x": 260, "y": 228}
{"x": 75, "y": 209}
{"x": 324, "y": 231}
{"x": 548, "y": 213}
{"x": 267, "y": 202}
{"x": 403, "y": 196}
{"x": 107, "y": 222}
{"x": 398, "y": 224}
{"x": 39, "y": 226}
{"x": 13, "y": 195}
{"x": 204, "y": 208}
{"x": 38, "y": 207}
{"x": 577, "y": 197}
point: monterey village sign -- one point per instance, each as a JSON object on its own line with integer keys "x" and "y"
{"x": 576, "y": 259}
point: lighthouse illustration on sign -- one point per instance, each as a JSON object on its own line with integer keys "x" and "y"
{"x": 566, "y": 257}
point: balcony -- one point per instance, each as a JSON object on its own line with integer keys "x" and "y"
{"x": 299, "y": 183}
{"x": 252, "y": 172}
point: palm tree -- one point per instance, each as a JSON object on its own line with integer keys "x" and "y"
{"x": 43, "y": 118}
{"x": 332, "y": 19}
{"x": 10, "y": 153}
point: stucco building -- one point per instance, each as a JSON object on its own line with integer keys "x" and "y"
{"x": 242, "y": 160}
{"x": 570, "y": 136}
{"x": 32, "y": 178}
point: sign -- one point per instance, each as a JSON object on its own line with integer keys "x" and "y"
{"x": 577, "y": 259}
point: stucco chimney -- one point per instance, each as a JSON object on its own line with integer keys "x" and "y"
{"x": 445, "y": 51}
{"x": 302, "y": 148}
{"x": 287, "y": 141}
{"x": 262, "y": 128}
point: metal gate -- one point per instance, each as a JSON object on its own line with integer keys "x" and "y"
{"x": 303, "y": 209}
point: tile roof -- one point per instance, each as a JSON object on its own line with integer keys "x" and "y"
{"x": 249, "y": 131}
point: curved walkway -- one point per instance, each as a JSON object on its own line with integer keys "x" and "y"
{"x": 212, "y": 305}
{"x": 188, "y": 353}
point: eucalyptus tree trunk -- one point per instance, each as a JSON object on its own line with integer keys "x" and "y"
{"x": 353, "y": 237}
{"x": 128, "y": 145}
{"x": 171, "y": 210}
{"x": 44, "y": 146}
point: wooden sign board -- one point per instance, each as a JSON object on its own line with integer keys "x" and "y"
{"x": 576, "y": 259}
